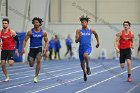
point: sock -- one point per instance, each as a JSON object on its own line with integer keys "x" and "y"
{"x": 129, "y": 75}
{"x": 7, "y": 76}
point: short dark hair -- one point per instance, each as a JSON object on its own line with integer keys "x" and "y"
{"x": 84, "y": 18}
{"x": 127, "y": 23}
{"x": 5, "y": 19}
{"x": 38, "y": 19}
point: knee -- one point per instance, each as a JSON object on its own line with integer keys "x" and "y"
{"x": 82, "y": 63}
{"x": 10, "y": 64}
{"x": 85, "y": 55}
{"x": 122, "y": 66}
{"x": 31, "y": 64}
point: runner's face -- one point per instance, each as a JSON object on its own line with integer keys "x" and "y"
{"x": 84, "y": 23}
{"x": 5, "y": 24}
{"x": 126, "y": 26}
{"x": 36, "y": 24}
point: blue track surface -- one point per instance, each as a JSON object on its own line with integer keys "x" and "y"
{"x": 67, "y": 77}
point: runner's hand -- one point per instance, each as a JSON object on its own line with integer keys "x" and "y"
{"x": 22, "y": 52}
{"x": 17, "y": 53}
{"x": 44, "y": 51}
{"x": 117, "y": 50}
{"x": 97, "y": 45}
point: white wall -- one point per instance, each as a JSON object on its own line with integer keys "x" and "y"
{"x": 113, "y": 11}
{"x": 71, "y": 15}
{"x": 18, "y": 12}
{"x": 116, "y": 11}
{"x": 55, "y": 10}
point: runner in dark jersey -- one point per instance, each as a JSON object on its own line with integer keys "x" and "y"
{"x": 8, "y": 38}
{"x": 36, "y": 35}
{"x": 124, "y": 39}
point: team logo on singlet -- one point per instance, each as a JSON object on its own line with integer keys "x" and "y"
{"x": 85, "y": 34}
{"x": 126, "y": 38}
{"x": 4, "y": 36}
{"x": 35, "y": 35}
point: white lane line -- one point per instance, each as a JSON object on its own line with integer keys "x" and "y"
{"x": 105, "y": 80}
{"x": 16, "y": 69}
{"x": 12, "y": 86}
{"x": 21, "y": 64}
{"x": 17, "y": 66}
{"x": 130, "y": 90}
{"x": 32, "y": 67}
{"x": 41, "y": 73}
{"x": 68, "y": 81}
{"x": 57, "y": 75}
{"x": 43, "y": 69}
{"x": 63, "y": 69}
{"x": 24, "y": 77}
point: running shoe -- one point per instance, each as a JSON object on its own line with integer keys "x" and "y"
{"x": 35, "y": 79}
{"x": 88, "y": 71}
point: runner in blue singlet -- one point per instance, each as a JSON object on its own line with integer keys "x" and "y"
{"x": 83, "y": 36}
{"x": 36, "y": 35}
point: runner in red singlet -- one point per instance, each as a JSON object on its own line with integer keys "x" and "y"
{"x": 124, "y": 39}
{"x": 8, "y": 38}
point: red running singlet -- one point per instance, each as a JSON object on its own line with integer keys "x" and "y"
{"x": 125, "y": 40}
{"x": 8, "y": 42}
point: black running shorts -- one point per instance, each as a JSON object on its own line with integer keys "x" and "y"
{"x": 125, "y": 54}
{"x": 7, "y": 55}
{"x": 34, "y": 52}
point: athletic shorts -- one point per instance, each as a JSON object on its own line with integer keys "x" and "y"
{"x": 82, "y": 51}
{"x": 7, "y": 55}
{"x": 34, "y": 52}
{"x": 125, "y": 54}
{"x": 69, "y": 47}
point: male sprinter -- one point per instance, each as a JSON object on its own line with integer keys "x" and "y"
{"x": 35, "y": 34}
{"x": 8, "y": 37}
{"x": 124, "y": 39}
{"x": 83, "y": 36}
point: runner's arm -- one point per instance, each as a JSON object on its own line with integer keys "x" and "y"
{"x": 132, "y": 41}
{"x": 116, "y": 43}
{"x": 26, "y": 39}
{"x": 14, "y": 35}
{"x": 96, "y": 36}
{"x": 45, "y": 39}
{"x": 77, "y": 36}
